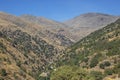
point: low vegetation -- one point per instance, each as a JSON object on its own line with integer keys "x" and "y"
{"x": 24, "y": 55}
{"x": 98, "y": 53}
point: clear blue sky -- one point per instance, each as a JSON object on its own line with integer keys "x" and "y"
{"x": 59, "y": 10}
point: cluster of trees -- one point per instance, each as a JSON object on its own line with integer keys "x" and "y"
{"x": 75, "y": 73}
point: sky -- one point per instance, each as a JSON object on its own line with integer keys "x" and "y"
{"x": 59, "y": 10}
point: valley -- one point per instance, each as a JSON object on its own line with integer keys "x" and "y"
{"x": 36, "y": 48}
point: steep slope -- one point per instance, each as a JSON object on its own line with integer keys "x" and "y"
{"x": 55, "y": 38}
{"x": 51, "y": 25}
{"x": 84, "y": 24}
{"x": 23, "y": 55}
{"x": 30, "y": 50}
{"x": 27, "y": 49}
{"x": 99, "y": 52}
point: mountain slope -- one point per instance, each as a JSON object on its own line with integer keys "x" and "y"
{"x": 23, "y": 55}
{"x": 26, "y": 48}
{"x": 104, "y": 40}
{"x": 45, "y": 22}
{"x": 84, "y": 24}
{"x": 30, "y": 50}
{"x": 56, "y": 38}
{"x": 99, "y": 52}
{"x": 51, "y": 25}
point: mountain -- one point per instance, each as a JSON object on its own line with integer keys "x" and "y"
{"x": 84, "y": 24}
{"x": 51, "y": 36}
{"x": 76, "y": 28}
{"x": 95, "y": 57}
{"x": 35, "y": 48}
{"x": 27, "y": 48}
{"x": 51, "y": 25}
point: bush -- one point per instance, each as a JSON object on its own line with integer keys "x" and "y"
{"x": 107, "y": 63}
{"x": 97, "y": 75}
{"x": 117, "y": 68}
{"x": 104, "y": 64}
{"x": 3, "y": 72}
{"x": 2, "y": 48}
{"x": 93, "y": 62}
{"x": 18, "y": 63}
{"x": 109, "y": 71}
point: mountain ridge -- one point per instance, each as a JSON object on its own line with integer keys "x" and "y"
{"x": 84, "y": 24}
{"x": 97, "y": 53}
{"x": 27, "y": 48}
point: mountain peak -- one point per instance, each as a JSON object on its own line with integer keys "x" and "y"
{"x": 89, "y": 22}
{"x": 94, "y": 14}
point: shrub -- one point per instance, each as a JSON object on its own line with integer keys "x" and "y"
{"x": 107, "y": 63}
{"x": 97, "y": 75}
{"x": 109, "y": 71}
{"x": 2, "y": 48}
{"x": 93, "y": 62}
{"x": 104, "y": 64}
{"x": 3, "y": 72}
{"x": 117, "y": 68}
{"x": 18, "y": 63}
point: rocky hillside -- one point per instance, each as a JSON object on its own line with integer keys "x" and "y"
{"x": 51, "y": 36}
{"x": 26, "y": 48}
{"x": 98, "y": 55}
{"x": 23, "y": 55}
{"x": 84, "y": 24}
{"x": 76, "y": 28}
{"x": 51, "y": 25}
{"x": 34, "y": 48}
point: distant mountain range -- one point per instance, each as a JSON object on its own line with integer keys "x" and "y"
{"x": 75, "y": 28}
